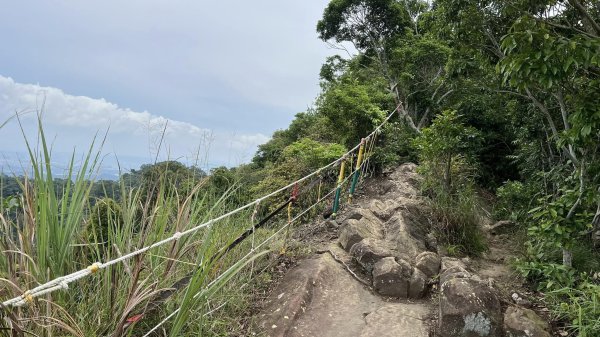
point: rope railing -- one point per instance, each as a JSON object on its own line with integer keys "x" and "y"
{"x": 257, "y": 247}
{"x": 64, "y": 281}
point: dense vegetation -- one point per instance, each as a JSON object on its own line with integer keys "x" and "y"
{"x": 495, "y": 96}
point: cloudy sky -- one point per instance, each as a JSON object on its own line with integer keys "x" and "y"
{"x": 221, "y": 75}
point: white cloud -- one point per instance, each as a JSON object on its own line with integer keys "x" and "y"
{"x": 74, "y": 120}
{"x": 63, "y": 109}
{"x": 243, "y": 142}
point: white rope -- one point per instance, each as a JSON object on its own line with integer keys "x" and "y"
{"x": 61, "y": 282}
{"x": 252, "y": 251}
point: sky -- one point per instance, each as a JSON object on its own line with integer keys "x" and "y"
{"x": 218, "y": 77}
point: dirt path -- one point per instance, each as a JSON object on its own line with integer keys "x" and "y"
{"x": 320, "y": 298}
{"x": 327, "y": 296}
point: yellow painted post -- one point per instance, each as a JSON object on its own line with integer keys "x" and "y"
{"x": 293, "y": 198}
{"x": 361, "y": 152}
{"x": 336, "y": 202}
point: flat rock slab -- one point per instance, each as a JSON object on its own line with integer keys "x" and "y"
{"x": 320, "y": 298}
{"x": 394, "y": 320}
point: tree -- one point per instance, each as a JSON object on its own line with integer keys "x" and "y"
{"x": 446, "y": 143}
{"x": 557, "y": 67}
{"x": 372, "y": 26}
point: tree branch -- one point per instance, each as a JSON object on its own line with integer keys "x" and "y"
{"x": 583, "y": 11}
{"x": 423, "y": 118}
{"x": 581, "y": 191}
{"x": 548, "y": 116}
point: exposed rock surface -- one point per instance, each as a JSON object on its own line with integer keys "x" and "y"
{"x": 353, "y": 231}
{"x": 417, "y": 285}
{"x": 393, "y": 320}
{"x": 320, "y": 298}
{"x": 521, "y": 322}
{"x": 387, "y": 241}
{"x": 391, "y": 278}
{"x": 468, "y": 306}
{"x": 369, "y": 251}
{"x": 384, "y": 209}
{"x": 393, "y": 229}
{"x": 428, "y": 263}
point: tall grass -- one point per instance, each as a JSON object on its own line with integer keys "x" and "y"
{"x": 456, "y": 207}
{"x": 51, "y": 234}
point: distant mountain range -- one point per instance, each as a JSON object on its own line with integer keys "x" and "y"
{"x": 18, "y": 163}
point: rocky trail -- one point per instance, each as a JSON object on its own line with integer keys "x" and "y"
{"x": 378, "y": 271}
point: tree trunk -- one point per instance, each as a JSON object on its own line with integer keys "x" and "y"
{"x": 596, "y": 225}
{"x": 567, "y": 258}
{"x": 447, "y": 174}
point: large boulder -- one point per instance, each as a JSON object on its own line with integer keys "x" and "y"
{"x": 521, "y": 322}
{"x": 405, "y": 235}
{"x": 384, "y": 210}
{"x": 407, "y": 180}
{"x": 469, "y": 308}
{"x": 353, "y": 231}
{"x": 417, "y": 284}
{"x": 391, "y": 278}
{"x": 362, "y": 213}
{"x": 429, "y": 263}
{"x": 454, "y": 273}
{"x": 369, "y": 251}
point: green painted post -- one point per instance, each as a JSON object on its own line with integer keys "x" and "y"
{"x": 338, "y": 191}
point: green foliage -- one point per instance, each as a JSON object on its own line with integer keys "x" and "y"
{"x": 395, "y": 147}
{"x": 353, "y": 110}
{"x": 573, "y": 297}
{"x": 57, "y": 214}
{"x": 579, "y": 306}
{"x": 553, "y": 224}
{"x": 536, "y": 56}
{"x": 513, "y": 203}
{"x": 105, "y": 221}
{"x": 306, "y": 125}
{"x": 64, "y": 232}
{"x": 312, "y": 154}
{"x": 363, "y": 22}
{"x": 547, "y": 276}
{"x": 444, "y": 149}
{"x": 297, "y": 160}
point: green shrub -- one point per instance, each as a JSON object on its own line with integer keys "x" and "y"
{"x": 395, "y": 147}
{"x": 513, "y": 201}
{"x": 445, "y": 158}
{"x": 105, "y": 220}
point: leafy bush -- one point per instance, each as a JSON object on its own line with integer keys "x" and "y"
{"x": 310, "y": 154}
{"x": 445, "y": 152}
{"x": 572, "y": 297}
{"x": 395, "y": 147}
{"x": 513, "y": 201}
{"x": 296, "y": 160}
